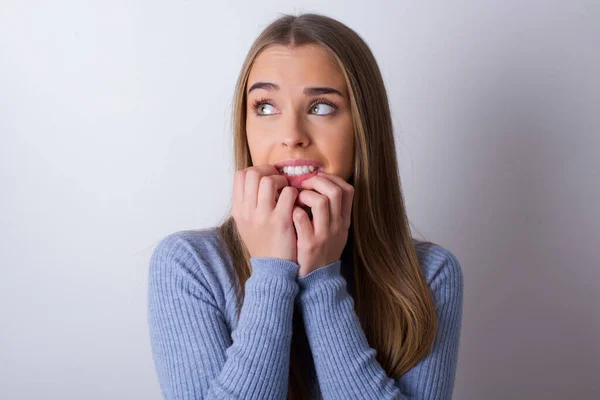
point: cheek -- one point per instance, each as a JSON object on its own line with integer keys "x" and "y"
{"x": 346, "y": 162}
{"x": 338, "y": 149}
{"x": 256, "y": 148}
{"x": 260, "y": 131}
{"x": 258, "y": 143}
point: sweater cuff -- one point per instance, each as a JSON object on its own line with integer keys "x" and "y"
{"x": 321, "y": 274}
{"x": 273, "y": 267}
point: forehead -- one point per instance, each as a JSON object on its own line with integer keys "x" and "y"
{"x": 300, "y": 66}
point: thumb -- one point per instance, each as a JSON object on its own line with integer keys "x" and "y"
{"x": 301, "y": 222}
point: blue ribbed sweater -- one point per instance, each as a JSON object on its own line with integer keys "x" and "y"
{"x": 202, "y": 351}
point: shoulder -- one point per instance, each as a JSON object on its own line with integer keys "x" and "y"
{"x": 193, "y": 260}
{"x": 201, "y": 246}
{"x": 441, "y": 268}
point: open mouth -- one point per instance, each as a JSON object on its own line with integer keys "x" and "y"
{"x": 300, "y": 170}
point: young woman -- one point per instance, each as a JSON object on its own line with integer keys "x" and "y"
{"x": 312, "y": 287}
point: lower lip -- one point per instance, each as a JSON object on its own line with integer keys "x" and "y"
{"x": 297, "y": 180}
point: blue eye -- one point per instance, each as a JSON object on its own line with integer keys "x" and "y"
{"x": 260, "y": 106}
{"x": 321, "y": 105}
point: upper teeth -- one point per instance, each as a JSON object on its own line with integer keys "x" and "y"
{"x": 298, "y": 170}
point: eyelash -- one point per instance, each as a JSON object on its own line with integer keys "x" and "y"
{"x": 259, "y": 102}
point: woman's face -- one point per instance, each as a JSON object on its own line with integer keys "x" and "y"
{"x": 298, "y": 107}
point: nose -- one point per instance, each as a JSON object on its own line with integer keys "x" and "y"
{"x": 294, "y": 133}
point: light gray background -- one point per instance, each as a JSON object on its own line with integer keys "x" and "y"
{"x": 114, "y": 123}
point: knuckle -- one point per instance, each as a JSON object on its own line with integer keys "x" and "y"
{"x": 337, "y": 228}
{"x": 285, "y": 223}
{"x": 252, "y": 173}
{"x": 323, "y": 201}
{"x": 267, "y": 181}
{"x": 241, "y": 174}
{"x": 311, "y": 246}
{"x": 289, "y": 189}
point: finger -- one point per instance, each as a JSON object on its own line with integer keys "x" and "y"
{"x": 330, "y": 189}
{"x": 253, "y": 177}
{"x": 304, "y": 228}
{"x": 348, "y": 197}
{"x": 287, "y": 198}
{"x": 267, "y": 192}
{"x": 319, "y": 205}
{"x": 239, "y": 181}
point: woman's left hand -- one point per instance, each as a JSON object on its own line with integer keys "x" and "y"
{"x": 322, "y": 240}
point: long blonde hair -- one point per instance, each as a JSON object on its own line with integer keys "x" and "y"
{"x": 391, "y": 297}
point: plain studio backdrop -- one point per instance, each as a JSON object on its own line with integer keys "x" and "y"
{"x": 115, "y": 131}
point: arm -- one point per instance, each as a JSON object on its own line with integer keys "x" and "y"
{"x": 194, "y": 354}
{"x": 345, "y": 363}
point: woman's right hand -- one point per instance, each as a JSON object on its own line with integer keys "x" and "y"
{"x": 262, "y": 215}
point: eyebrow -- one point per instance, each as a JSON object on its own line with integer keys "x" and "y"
{"x": 310, "y": 90}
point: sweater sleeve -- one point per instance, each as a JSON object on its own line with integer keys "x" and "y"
{"x": 345, "y": 363}
{"x": 194, "y": 354}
